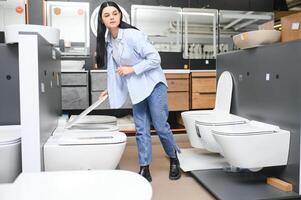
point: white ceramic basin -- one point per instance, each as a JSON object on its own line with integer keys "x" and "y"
{"x": 52, "y": 35}
{"x": 256, "y": 38}
{"x": 78, "y": 185}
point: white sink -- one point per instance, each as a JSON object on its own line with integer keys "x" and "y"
{"x": 256, "y": 38}
{"x": 52, "y": 35}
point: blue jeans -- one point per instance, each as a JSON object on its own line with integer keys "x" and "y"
{"x": 153, "y": 109}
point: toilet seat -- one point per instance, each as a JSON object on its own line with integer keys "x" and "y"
{"x": 219, "y": 119}
{"x": 10, "y": 134}
{"x": 92, "y": 138}
{"x": 251, "y": 128}
{"x": 95, "y": 119}
{"x": 99, "y": 127}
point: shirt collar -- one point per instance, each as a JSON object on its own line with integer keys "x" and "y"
{"x": 119, "y": 37}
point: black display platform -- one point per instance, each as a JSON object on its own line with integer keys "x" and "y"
{"x": 239, "y": 185}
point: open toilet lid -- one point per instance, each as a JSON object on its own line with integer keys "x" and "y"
{"x": 218, "y": 119}
{"x": 87, "y": 111}
{"x": 92, "y": 137}
{"x": 251, "y": 128}
{"x": 10, "y": 134}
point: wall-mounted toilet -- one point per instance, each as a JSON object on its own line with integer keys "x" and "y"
{"x": 222, "y": 105}
{"x": 10, "y": 153}
{"x": 85, "y": 142}
{"x": 84, "y": 150}
{"x": 253, "y": 145}
{"x": 205, "y": 123}
{"x": 89, "y": 144}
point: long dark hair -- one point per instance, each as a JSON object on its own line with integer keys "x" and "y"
{"x": 101, "y": 51}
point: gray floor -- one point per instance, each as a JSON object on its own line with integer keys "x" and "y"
{"x": 239, "y": 186}
{"x": 164, "y": 189}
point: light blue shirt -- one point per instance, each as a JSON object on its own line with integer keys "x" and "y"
{"x": 134, "y": 50}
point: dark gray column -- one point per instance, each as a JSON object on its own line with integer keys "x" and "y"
{"x": 35, "y": 12}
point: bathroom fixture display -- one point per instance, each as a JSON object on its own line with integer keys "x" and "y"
{"x": 10, "y": 153}
{"x": 204, "y": 125}
{"x": 222, "y": 105}
{"x": 253, "y": 145}
{"x": 90, "y": 138}
{"x": 256, "y": 38}
{"x": 78, "y": 185}
{"x": 274, "y": 101}
{"x": 11, "y": 32}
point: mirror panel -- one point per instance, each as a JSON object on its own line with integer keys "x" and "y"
{"x": 72, "y": 18}
{"x": 162, "y": 24}
{"x": 199, "y": 33}
{"x": 12, "y": 12}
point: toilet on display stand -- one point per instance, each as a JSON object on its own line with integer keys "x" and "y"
{"x": 85, "y": 142}
{"x": 222, "y": 105}
{"x": 10, "y": 153}
{"x": 253, "y": 145}
{"x": 205, "y": 123}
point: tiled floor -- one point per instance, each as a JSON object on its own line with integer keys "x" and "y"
{"x": 163, "y": 188}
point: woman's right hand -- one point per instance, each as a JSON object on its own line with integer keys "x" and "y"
{"x": 103, "y": 93}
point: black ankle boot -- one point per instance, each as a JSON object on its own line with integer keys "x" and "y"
{"x": 174, "y": 170}
{"x": 144, "y": 171}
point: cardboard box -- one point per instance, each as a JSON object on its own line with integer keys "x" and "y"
{"x": 291, "y": 27}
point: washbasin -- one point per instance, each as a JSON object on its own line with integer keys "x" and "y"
{"x": 256, "y": 38}
{"x": 52, "y": 35}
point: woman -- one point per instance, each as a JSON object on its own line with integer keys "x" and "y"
{"x": 133, "y": 67}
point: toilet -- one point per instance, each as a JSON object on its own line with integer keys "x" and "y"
{"x": 78, "y": 185}
{"x": 222, "y": 105}
{"x": 10, "y": 153}
{"x": 205, "y": 123}
{"x": 85, "y": 142}
{"x": 253, "y": 145}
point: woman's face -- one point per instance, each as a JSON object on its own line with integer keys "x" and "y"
{"x": 111, "y": 17}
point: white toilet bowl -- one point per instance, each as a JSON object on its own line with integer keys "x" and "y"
{"x": 85, "y": 142}
{"x": 84, "y": 150}
{"x": 10, "y": 153}
{"x": 253, "y": 145}
{"x": 222, "y": 105}
{"x": 78, "y": 185}
{"x": 205, "y": 123}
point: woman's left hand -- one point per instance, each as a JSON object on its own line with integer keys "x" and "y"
{"x": 124, "y": 70}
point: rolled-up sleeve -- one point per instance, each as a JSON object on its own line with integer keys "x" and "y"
{"x": 150, "y": 56}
